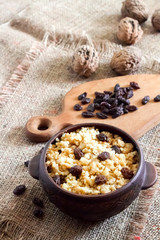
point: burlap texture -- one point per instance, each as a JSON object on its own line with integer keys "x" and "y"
{"x": 34, "y": 84}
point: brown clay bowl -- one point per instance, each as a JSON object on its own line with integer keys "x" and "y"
{"x": 93, "y": 207}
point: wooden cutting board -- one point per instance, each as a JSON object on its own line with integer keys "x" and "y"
{"x": 42, "y": 128}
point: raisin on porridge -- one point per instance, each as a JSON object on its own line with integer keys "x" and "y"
{"x": 91, "y": 162}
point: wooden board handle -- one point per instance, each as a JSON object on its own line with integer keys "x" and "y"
{"x": 42, "y": 128}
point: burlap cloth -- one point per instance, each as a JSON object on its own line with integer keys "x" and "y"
{"x": 34, "y": 76}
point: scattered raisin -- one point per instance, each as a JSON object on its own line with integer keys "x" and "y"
{"x": 125, "y": 110}
{"x": 129, "y": 94}
{"x": 78, "y": 153}
{"x": 134, "y": 85}
{"x": 145, "y": 100}
{"x": 108, "y": 92}
{"x": 19, "y": 189}
{"x": 91, "y": 107}
{"x": 131, "y": 108}
{"x": 101, "y": 115}
{"x": 85, "y": 101}
{"x": 102, "y": 137}
{"x": 98, "y": 100}
{"x": 157, "y": 98}
{"x": 87, "y": 114}
{"x": 76, "y": 170}
{"x": 117, "y": 87}
{"x": 127, "y": 173}
{"x": 38, "y": 202}
{"x": 105, "y": 104}
{"x": 77, "y": 107}
{"x": 103, "y": 156}
{"x": 123, "y": 100}
{"x": 100, "y": 179}
{"x": 116, "y": 149}
{"x": 99, "y": 95}
{"x": 26, "y": 163}
{"x": 97, "y": 106}
{"x": 104, "y": 110}
{"x": 83, "y": 95}
{"x": 38, "y": 213}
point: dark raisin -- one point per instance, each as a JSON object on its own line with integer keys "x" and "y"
{"x": 99, "y": 95}
{"x": 116, "y": 149}
{"x": 108, "y": 92}
{"x": 104, "y": 110}
{"x": 157, "y": 98}
{"x": 101, "y": 115}
{"x": 115, "y": 103}
{"x": 85, "y": 101}
{"x": 38, "y": 213}
{"x": 117, "y": 87}
{"x": 87, "y": 114}
{"x": 127, "y": 173}
{"x": 91, "y": 107}
{"x": 103, "y": 156}
{"x": 145, "y": 100}
{"x": 26, "y": 163}
{"x": 60, "y": 151}
{"x": 49, "y": 169}
{"x": 105, "y": 104}
{"x": 102, "y": 137}
{"x": 97, "y": 106}
{"x": 19, "y": 189}
{"x": 76, "y": 170}
{"x": 77, "y": 107}
{"x": 115, "y": 110}
{"x": 129, "y": 94}
{"x": 111, "y": 100}
{"x": 38, "y": 202}
{"x": 131, "y": 108}
{"x": 83, "y": 95}
{"x": 117, "y": 114}
{"x": 98, "y": 100}
{"x": 123, "y": 100}
{"x": 106, "y": 97}
{"x": 100, "y": 179}
{"x": 134, "y": 85}
{"x": 78, "y": 153}
{"x": 125, "y": 110}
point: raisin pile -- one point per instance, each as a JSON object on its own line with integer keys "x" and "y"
{"x": 110, "y": 103}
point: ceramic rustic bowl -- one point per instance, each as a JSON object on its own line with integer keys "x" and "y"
{"x": 93, "y": 207}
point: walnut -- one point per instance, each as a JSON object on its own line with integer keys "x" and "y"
{"x": 126, "y": 61}
{"x": 129, "y": 31}
{"x": 85, "y": 60}
{"x": 156, "y": 19}
{"x": 135, "y": 9}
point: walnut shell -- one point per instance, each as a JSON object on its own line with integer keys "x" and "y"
{"x": 135, "y": 9}
{"x": 156, "y": 19}
{"x": 85, "y": 60}
{"x": 129, "y": 31}
{"x": 126, "y": 61}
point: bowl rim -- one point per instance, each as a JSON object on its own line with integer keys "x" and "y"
{"x": 113, "y": 194}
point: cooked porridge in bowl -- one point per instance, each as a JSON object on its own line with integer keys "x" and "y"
{"x": 91, "y": 162}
